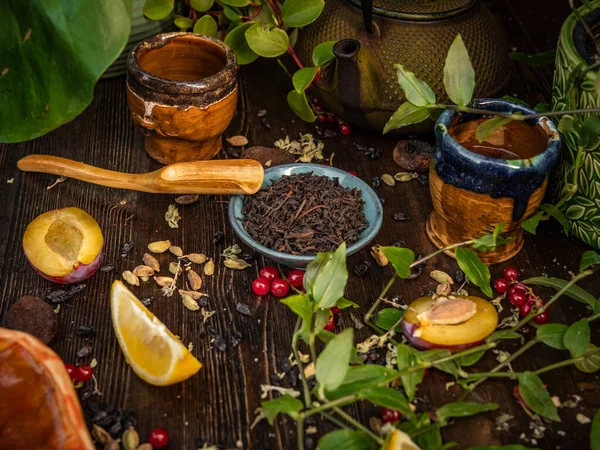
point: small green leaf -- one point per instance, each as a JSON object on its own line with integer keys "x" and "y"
{"x": 303, "y": 77}
{"x": 299, "y": 13}
{"x": 462, "y": 409}
{"x": 360, "y": 378}
{"x": 502, "y": 447}
{"x": 474, "y": 269}
{"x": 589, "y": 258}
{"x": 323, "y": 54}
{"x": 389, "y": 398}
{"x": 530, "y": 225}
{"x": 388, "y": 317}
{"x": 552, "y": 334}
{"x": 567, "y": 124}
{"x": 559, "y": 216}
{"x": 300, "y": 305}
{"x": 577, "y": 337}
{"x": 158, "y": 9}
{"x": 299, "y": 104}
{"x": 267, "y": 41}
{"x": 313, "y": 268}
{"x": 400, "y": 259}
{"x": 589, "y": 132}
{"x": 459, "y": 75}
{"x": 407, "y": 114}
{"x": 332, "y": 364}
{"x": 489, "y": 242}
{"x": 236, "y": 40}
{"x": 285, "y": 404}
{"x": 344, "y": 303}
{"x": 488, "y": 127}
{"x": 207, "y": 26}
{"x": 416, "y": 90}
{"x": 430, "y": 440}
{"x": 595, "y": 433}
{"x": 236, "y": 3}
{"x": 531, "y": 388}
{"x": 183, "y": 23}
{"x": 437, "y": 354}
{"x": 330, "y": 282}
{"x": 591, "y": 363}
{"x": 346, "y": 440}
{"x": 201, "y": 5}
{"x": 407, "y": 357}
{"x": 233, "y": 14}
{"x": 504, "y": 334}
{"x": 537, "y": 59}
{"x": 469, "y": 360}
{"x": 574, "y": 291}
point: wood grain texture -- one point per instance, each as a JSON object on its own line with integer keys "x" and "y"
{"x": 218, "y": 404}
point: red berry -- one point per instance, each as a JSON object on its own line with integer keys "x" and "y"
{"x": 70, "y": 368}
{"x": 520, "y": 287}
{"x": 541, "y": 318}
{"x": 335, "y": 310}
{"x": 319, "y": 108}
{"x": 518, "y": 298}
{"x": 158, "y": 438}
{"x": 511, "y": 273}
{"x": 352, "y": 172}
{"x": 330, "y": 325}
{"x": 330, "y": 118}
{"x": 83, "y": 373}
{"x": 296, "y": 278}
{"x": 280, "y": 287}
{"x": 316, "y": 101}
{"x": 261, "y": 286}
{"x": 270, "y": 273}
{"x": 501, "y": 285}
{"x": 321, "y": 118}
{"x": 525, "y": 309}
{"x": 345, "y": 129}
{"x": 531, "y": 299}
{"x": 390, "y": 415}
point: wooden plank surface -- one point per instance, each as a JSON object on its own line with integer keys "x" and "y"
{"x": 218, "y": 404}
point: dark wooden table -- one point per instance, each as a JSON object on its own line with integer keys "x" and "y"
{"x": 218, "y": 404}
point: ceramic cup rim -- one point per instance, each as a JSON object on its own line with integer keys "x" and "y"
{"x": 213, "y": 82}
{"x": 368, "y": 195}
{"x": 549, "y": 154}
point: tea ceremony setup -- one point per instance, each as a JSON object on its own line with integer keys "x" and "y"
{"x": 300, "y": 224}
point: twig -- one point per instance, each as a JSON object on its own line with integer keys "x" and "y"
{"x": 358, "y": 425}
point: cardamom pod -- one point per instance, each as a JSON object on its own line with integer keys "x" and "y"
{"x": 176, "y": 250}
{"x": 130, "y": 439}
{"x": 237, "y": 264}
{"x": 132, "y": 279}
{"x": 405, "y": 176}
{"x": 143, "y": 271}
{"x": 101, "y": 435}
{"x": 441, "y": 277}
{"x": 194, "y": 294}
{"x": 209, "y": 268}
{"x": 462, "y": 293}
{"x": 175, "y": 268}
{"x": 163, "y": 281}
{"x": 195, "y": 280}
{"x": 237, "y": 141}
{"x": 159, "y": 246}
{"x": 378, "y": 255}
{"x": 190, "y": 303}
{"x": 151, "y": 261}
{"x": 197, "y": 258}
{"x": 443, "y": 289}
{"x": 187, "y": 199}
{"x": 388, "y": 179}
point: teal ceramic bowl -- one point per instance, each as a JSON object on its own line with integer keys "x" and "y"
{"x": 372, "y": 209}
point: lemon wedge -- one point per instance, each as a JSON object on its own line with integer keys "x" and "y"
{"x": 399, "y": 440}
{"x": 152, "y": 351}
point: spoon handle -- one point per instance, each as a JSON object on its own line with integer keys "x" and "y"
{"x": 197, "y": 177}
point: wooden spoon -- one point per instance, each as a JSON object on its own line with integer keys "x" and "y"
{"x": 229, "y": 176}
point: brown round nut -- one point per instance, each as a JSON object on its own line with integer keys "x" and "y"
{"x": 34, "y": 316}
{"x": 413, "y": 155}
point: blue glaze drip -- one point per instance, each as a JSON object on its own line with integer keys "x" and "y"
{"x": 517, "y": 179}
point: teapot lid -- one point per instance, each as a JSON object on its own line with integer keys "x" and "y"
{"x": 419, "y": 9}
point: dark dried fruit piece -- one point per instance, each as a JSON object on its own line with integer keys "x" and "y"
{"x": 243, "y": 309}
{"x": 85, "y": 330}
{"x": 361, "y": 269}
{"x": 218, "y": 237}
{"x": 127, "y": 247}
{"x": 401, "y": 217}
{"x": 34, "y": 316}
{"x": 107, "y": 267}
{"x": 84, "y": 351}
{"x": 413, "y": 155}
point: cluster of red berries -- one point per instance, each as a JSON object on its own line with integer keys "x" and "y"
{"x": 390, "y": 415}
{"x": 79, "y": 374}
{"x": 519, "y": 295}
{"x": 270, "y": 280}
{"x": 158, "y": 438}
{"x": 325, "y": 117}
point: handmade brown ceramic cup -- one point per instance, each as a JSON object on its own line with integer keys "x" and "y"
{"x": 182, "y": 92}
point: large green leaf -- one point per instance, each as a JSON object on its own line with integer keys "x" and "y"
{"x": 400, "y": 259}
{"x": 591, "y": 363}
{"x": 474, "y": 269}
{"x": 577, "y": 337}
{"x": 207, "y": 26}
{"x": 158, "y": 9}
{"x": 285, "y": 404}
{"x": 462, "y": 409}
{"x": 407, "y": 114}
{"x": 236, "y": 40}
{"x": 390, "y": 398}
{"x": 388, "y": 317}
{"x": 553, "y": 335}
{"x": 303, "y": 77}
{"x": 360, "y": 378}
{"x": 486, "y": 128}
{"x": 323, "y": 53}
{"x": 407, "y": 358}
{"x": 267, "y": 41}
{"x": 575, "y": 292}
{"x": 332, "y": 364}
{"x": 330, "y": 282}
{"x": 459, "y": 75}
{"x": 299, "y": 13}
{"x": 52, "y": 54}
{"x": 532, "y": 390}
{"x": 346, "y": 440}
{"x": 416, "y": 90}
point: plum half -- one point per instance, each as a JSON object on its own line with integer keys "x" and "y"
{"x": 64, "y": 245}
{"x": 454, "y": 323}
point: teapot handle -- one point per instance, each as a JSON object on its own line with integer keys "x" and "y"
{"x": 367, "y": 12}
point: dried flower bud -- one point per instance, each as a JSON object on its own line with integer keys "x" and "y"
{"x": 131, "y": 439}
{"x": 132, "y": 279}
{"x": 405, "y": 176}
{"x": 237, "y": 264}
{"x": 175, "y": 268}
{"x": 209, "y": 268}
{"x": 159, "y": 246}
{"x": 197, "y": 258}
{"x": 190, "y": 303}
{"x": 388, "y": 179}
{"x": 194, "y": 279}
{"x": 187, "y": 199}
{"x": 378, "y": 255}
{"x": 163, "y": 281}
{"x": 194, "y": 294}
{"x": 143, "y": 271}
{"x": 443, "y": 289}
{"x": 441, "y": 277}
{"x": 151, "y": 261}
{"x": 176, "y": 250}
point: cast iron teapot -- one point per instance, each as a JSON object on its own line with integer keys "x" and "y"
{"x": 373, "y": 35}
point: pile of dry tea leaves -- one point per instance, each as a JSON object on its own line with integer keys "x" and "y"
{"x": 304, "y": 214}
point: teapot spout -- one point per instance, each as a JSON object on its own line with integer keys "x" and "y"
{"x": 348, "y": 72}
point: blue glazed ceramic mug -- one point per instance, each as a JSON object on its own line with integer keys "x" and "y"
{"x": 475, "y": 189}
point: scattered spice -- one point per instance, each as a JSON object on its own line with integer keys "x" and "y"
{"x": 187, "y": 199}
{"x": 304, "y": 214}
{"x": 197, "y": 258}
{"x": 207, "y": 315}
{"x": 61, "y": 296}
{"x": 378, "y": 255}
{"x": 175, "y": 268}
{"x": 243, "y": 309}
{"x": 57, "y": 181}
{"x": 190, "y": 303}
{"x": 84, "y": 351}
{"x": 107, "y": 267}
{"x": 172, "y": 216}
{"x": 237, "y": 141}
{"x": 175, "y": 250}
{"x": 218, "y": 237}
{"x": 388, "y": 179}
{"x": 401, "y": 217}
{"x": 441, "y": 277}
{"x": 143, "y": 271}
{"x": 130, "y": 278}
{"x": 404, "y": 177}
{"x": 237, "y": 264}
{"x": 151, "y": 262}
{"x": 306, "y": 149}
{"x": 232, "y": 251}
{"x": 126, "y": 248}
{"x": 163, "y": 281}
{"x": 194, "y": 279}
{"x": 85, "y": 331}
{"x": 159, "y": 246}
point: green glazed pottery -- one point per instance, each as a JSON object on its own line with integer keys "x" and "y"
{"x": 583, "y": 209}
